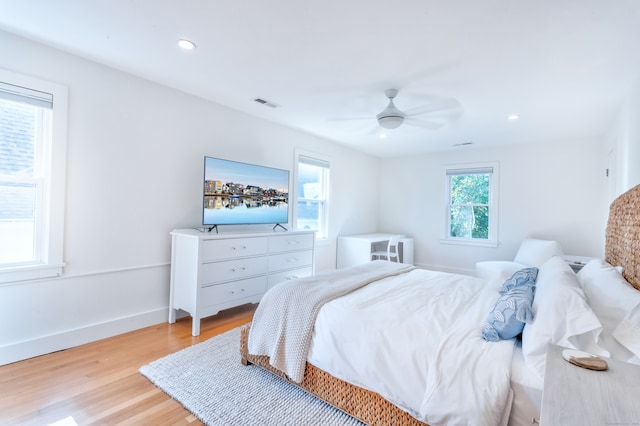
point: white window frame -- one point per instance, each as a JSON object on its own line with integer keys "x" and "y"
{"x": 321, "y": 160}
{"x": 494, "y": 179}
{"x": 50, "y": 212}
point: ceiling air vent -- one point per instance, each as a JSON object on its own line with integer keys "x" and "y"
{"x": 266, "y": 103}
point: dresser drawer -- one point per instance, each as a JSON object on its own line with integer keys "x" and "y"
{"x": 222, "y": 293}
{"x": 292, "y": 260}
{"x": 228, "y": 270}
{"x": 232, "y": 248}
{"x": 288, "y": 275}
{"x": 291, "y": 242}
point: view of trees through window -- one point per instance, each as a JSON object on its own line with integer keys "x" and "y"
{"x": 469, "y": 205}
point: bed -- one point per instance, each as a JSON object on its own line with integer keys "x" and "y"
{"x": 399, "y": 345}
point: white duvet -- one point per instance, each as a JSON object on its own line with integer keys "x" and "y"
{"x": 416, "y": 340}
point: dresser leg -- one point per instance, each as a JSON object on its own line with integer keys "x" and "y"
{"x": 195, "y": 326}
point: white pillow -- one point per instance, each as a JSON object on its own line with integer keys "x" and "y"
{"x": 628, "y": 333}
{"x": 534, "y": 252}
{"x": 562, "y": 316}
{"x": 497, "y": 270}
{"x": 613, "y": 300}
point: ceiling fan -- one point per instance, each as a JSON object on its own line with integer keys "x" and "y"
{"x": 391, "y": 117}
{"x": 442, "y": 109}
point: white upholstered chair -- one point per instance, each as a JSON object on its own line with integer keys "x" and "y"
{"x": 391, "y": 253}
{"x": 532, "y": 252}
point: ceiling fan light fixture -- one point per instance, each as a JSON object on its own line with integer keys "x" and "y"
{"x": 390, "y": 121}
{"x": 391, "y": 117}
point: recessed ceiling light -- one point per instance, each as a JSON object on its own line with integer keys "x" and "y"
{"x": 383, "y": 135}
{"x": 186, "y": 44}
{"x": 514, "y": 117}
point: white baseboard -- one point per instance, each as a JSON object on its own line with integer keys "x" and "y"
{"x": 70, "y": 338}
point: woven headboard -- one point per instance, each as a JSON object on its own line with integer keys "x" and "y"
{"x": 622, "y": 244}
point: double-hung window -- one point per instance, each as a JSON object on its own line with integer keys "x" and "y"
{"x": 471, "y": 192}
{"x": 33, "y": 116}
{"x": 312, "y": 183}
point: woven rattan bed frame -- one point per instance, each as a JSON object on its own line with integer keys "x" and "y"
{"x": 368, "y": 407}
{"x": 622, "y": 248}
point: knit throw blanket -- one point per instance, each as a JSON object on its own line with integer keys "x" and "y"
{"x": 283, "y": 322}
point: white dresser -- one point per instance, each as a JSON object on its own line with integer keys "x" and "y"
{"x": 211, "y": 272}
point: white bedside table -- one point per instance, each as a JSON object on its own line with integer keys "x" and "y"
{"x": 576, "y": 396}
{"x": 576, "y": 262}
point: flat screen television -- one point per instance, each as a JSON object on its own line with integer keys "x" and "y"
{"x": 238, "y": 193}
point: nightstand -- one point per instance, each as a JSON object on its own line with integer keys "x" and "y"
{"x": 576, "y": 396}
{"x": 576, "y": 262}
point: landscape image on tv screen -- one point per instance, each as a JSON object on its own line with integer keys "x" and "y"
{"x": 241, "y": 193}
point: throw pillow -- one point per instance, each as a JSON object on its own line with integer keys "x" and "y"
{"x": 523, "y": 277}
{"x": 511, "y": 311}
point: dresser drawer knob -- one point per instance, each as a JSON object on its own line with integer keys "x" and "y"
{"x": 238, "y": 248}
{"x": 242, "y": 268}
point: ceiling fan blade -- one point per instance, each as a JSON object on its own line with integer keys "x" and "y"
{"x": 352, "y": 125}
{"x": 349, "y": 118}
{"x": 375, "y": 130}
{"x": 426, "y": 124}
{"x": 445, "y": 106}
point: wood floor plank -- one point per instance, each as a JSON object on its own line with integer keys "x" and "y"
{"x": 98, "y": 383}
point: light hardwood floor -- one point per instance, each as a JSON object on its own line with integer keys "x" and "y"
{"x": 99, "y": 384}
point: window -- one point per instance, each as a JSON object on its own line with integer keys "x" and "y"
{"x": 32, "y": 159}
{"x": 471, "y": 204}
{"x": 312, "y": 183}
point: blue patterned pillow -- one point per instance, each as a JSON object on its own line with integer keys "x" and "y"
{"x": 526, "y": 276}
{"x": 508, "y": 316}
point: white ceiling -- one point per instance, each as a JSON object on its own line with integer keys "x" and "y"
{"x": 564, "y": 65}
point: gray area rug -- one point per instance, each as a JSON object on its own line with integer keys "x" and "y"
{"x": 209, "y": 380}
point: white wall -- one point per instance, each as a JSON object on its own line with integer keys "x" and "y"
{"x": 546, "y": 190}
{"x": 134, "y": 172}
{"x": 623, "y": 144}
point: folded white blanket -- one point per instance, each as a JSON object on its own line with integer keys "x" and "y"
{"x": 283, "y": 322}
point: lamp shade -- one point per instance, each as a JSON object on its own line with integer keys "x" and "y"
{"x": 390, "y": 122}
{"x": 391, "y": 117}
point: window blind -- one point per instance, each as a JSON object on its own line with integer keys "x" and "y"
{"x": 469, "y": 171}
{"x": 313, "y": 162}
{"x": 25, "y": 95}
